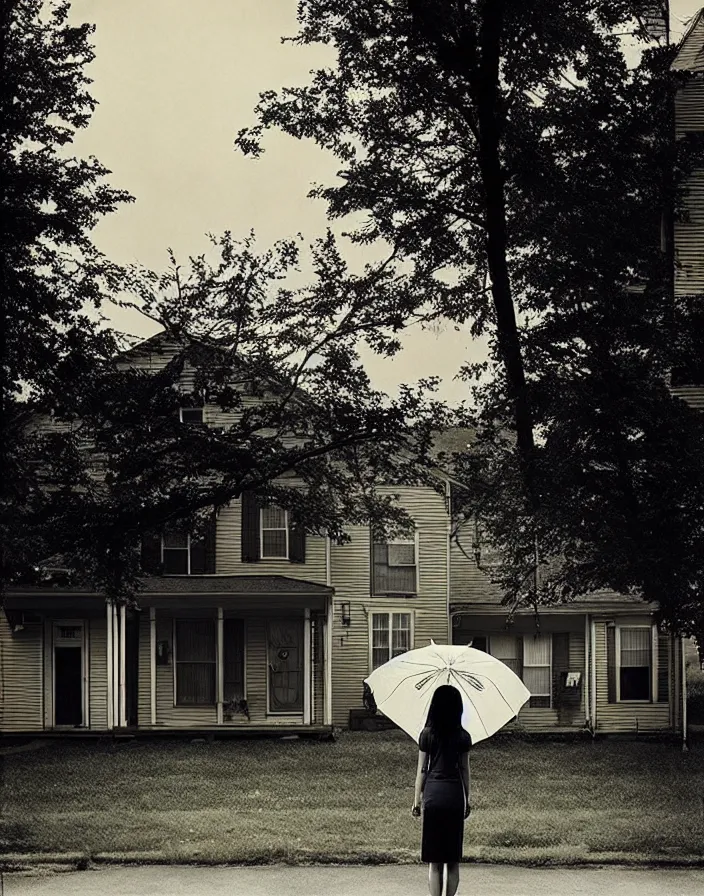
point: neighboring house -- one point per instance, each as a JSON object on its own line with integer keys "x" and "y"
{"x": 599, "y": 662}
{"x": 256, "y": 625}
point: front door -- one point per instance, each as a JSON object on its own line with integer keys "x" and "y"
{"x": 68, "y": 674}
{"x": 285, "y": 652}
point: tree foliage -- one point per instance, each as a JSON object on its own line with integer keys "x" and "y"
{"x": 520, "y": 168}
{"x": 51, "y": 275}
{"x": 290, "y": 412}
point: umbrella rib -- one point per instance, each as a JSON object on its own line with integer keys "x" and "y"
{"x": 466, "y": 693}
{"x": 479, "y": 675}
{"x": 398, "y": 685}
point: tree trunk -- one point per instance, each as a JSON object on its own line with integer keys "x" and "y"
{"x": 488, "y": 99}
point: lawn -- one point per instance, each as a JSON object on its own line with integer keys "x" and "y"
{"x": 348, "y": 801}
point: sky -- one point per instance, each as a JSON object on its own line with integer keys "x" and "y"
{"x": 175, "y": 80}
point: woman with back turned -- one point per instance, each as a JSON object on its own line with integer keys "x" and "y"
{"x": 442, "y": 781}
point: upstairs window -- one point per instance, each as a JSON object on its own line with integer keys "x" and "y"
{"x": 274, "y": 533}
{"x": 394, "y": 566}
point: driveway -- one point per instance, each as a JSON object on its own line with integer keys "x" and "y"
{"x": 385, "y": 880}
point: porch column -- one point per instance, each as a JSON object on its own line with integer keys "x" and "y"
{"x": 306, "y": 666}
{"x": 592, "y": 673}
{"x": 110, "y": 665}
{"x": 123, "y": 689}
{"x": 327, "y": 661}
{"x": 152, "y": 664}
{"x": 220, "y": 667}
{"x": 587, "y": 684}
{"x": 115, "y": 670}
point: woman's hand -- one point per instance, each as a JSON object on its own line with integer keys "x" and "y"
{"x": 415, "y": 811}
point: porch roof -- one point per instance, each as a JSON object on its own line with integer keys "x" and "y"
{"x": 207, "y": 584}
{"x": 596, "y": 602}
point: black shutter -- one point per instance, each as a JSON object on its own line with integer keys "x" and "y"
{"x": 560, "y": 667}
{"x": 663, "y": 661}
{"x": 250, "y": 528}
{"x": 210, "y": 536}
{"x": 151, "y": 554}
{"x": 197, "y": 556}
{"x": 611, "y": 661}
{"x": 297, "y": 545}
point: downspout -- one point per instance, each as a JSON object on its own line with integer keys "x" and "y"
{"x": 328, "y": 635}
{"x": 684, "y": 697}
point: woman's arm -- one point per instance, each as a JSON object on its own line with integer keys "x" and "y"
{"x": 464, "y": 771}
{"x": 420, "y": 778}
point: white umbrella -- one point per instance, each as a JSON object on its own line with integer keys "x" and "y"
{"x": 492, "y": 694}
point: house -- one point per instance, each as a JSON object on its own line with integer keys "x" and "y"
{"x": 601, "y": 661}
{"x": 254, "y": 626}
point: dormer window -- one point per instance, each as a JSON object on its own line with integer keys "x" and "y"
{"x": 191, "y": 416}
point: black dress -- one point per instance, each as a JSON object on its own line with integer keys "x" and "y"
{"x": 444, "y": 798}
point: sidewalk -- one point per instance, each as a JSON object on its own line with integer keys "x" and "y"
{"x": 384, "y": 880}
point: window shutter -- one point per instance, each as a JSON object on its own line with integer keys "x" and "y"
{"x": 519, "y": 656}
{"x": 611, "y": 661}
{"x": 663, "y": 661}
{"x": 210, "y": 549}
{"x": 197, "y": 556}
{"x": 297, "y": 545}
{"x": 560, "y": 668}
{"x": 151, "y": 554}
{"x": 250, "y": 528}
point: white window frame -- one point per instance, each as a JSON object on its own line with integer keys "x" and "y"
{"x": 262, "y": 529}
{"x": 415, "y": 541}
{"x": 188, "y": 423}
{"x": 389, "y": 611}
{"x": 188, "y": 551}
{"x": 653, "y": 661}
{"x": 549, "y": 666}
{"x": 174, "y": 660}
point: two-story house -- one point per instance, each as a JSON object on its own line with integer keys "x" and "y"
{"x": 255, "y": 625}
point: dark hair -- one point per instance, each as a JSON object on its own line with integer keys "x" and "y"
{"x": 445, "y": 713}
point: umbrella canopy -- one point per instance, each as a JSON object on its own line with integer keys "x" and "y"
{"x": 492, "y": 694}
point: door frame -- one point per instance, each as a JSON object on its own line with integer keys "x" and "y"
{"x": 284, "y": 715}
{"x": 83, "y": 647}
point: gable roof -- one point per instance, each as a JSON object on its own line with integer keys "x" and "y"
{"x": 690, "y": 55}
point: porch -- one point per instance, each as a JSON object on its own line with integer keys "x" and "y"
{"x": 203, "y": 655}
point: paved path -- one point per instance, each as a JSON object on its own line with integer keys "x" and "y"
{"x": 386, "y": 880}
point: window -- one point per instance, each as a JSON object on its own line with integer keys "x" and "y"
{"x": 530, "y": 657}
{"x": 194, "y": 653}
{"x": 394, "y": 566}
{"x": 274, "y": 533}
{"x": 391, "y": 636}
{"x": 537, "y": 669}
{"x": 176, "y": 552}
{"x": 192, "y": 416}
{"x": 635, "y": 663}
{"x": 506, "y": 649}
{"x": 233, "y": 660}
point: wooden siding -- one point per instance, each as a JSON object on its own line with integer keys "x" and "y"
{"x": 468, "y": 583}
{"x": 623, "y": 717}
{"x": 98, "y": 674}
{"x": 351, "y": 578}
{"x": 689, "y": 241}
{"x": 228, "y": 552}
{"x": 693, "y": 395}
{"x": 144, "y": 686}
{"x": 21, "y": 678}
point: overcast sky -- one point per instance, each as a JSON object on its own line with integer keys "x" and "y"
{"x": 175, "y": 81}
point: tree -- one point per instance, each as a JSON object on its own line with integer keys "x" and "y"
{"x": 50, "y": 272}
{"x": 298, "y": 422}
{"x": 519, "y": 166}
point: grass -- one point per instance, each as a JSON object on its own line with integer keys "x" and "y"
{"x": 349, "y": 801}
